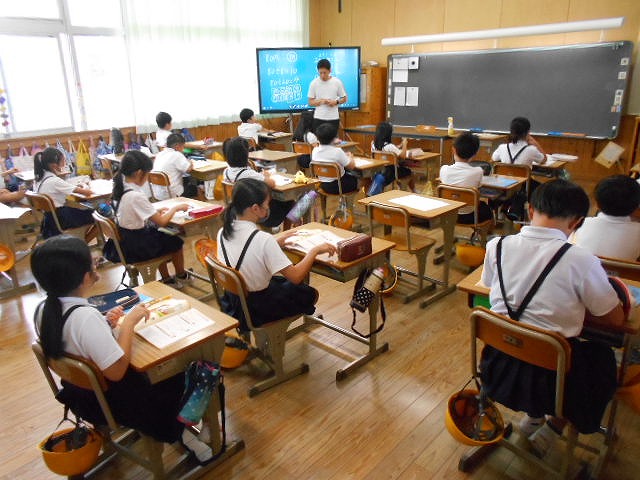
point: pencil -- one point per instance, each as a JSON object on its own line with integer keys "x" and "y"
{"x": 157, "y": 300}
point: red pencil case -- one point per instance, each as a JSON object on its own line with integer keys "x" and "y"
{"x": 205, "y": 211}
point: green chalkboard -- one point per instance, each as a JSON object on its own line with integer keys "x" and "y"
{"x": 577, "y": 88}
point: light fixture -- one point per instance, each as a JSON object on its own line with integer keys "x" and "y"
{"x": 549, "y": 28}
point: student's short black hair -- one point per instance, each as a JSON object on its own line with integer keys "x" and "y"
{"x": 560, "y": 199}
{"x": 618, "y": 195}
{"x": 236, "y": 151}
{"x": 324, "y": 63}
{"x": 326, "y": 133}
{"x": 163, "y": 119}
{"x": 246, "y": 114}
{"x": 519, "y": 129}
{"x": 175, "y": 139}
{"x": 466, "y": 145}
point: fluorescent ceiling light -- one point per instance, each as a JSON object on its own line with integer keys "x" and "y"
{"x": 549, "y": 28}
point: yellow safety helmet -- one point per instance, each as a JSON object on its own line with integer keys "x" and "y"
{"x": 470, "y": 255}
{"x": 7, "y": 258}
{"x": 235, "y": 352}
{"x": 63, "y": 460}
{"x": 205, "y": 247}
{"x": 342, "y": 219}
{"x": 471, "y": 425}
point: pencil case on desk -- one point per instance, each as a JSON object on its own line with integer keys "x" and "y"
{"x": 205, "y": 211}
{"x": 354, "y": 248}
{"x": 122, "y": 298}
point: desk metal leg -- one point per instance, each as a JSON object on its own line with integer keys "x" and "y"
{"x": 447, "y": 223}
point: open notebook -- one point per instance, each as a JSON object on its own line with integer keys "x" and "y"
{"x": 305, "y": 239}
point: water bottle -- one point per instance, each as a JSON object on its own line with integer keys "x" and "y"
{"x": 302, "y": 206}
{"x": 450, "y": 131}
{"x": 105, "y": 210}
{"x": 374, "y": 282}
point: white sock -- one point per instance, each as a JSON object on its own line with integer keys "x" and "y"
{"x": 528, "y": 425}
{"x": 201, "y": 450}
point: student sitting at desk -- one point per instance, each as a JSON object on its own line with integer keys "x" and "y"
{"x": 576, "y": 285}
{"x": 328, "y": 153}
{"x": 138, "y": 221}
{"x": 276, "y": 288}
{"x": 461, "y": 174}
{"x": 163, "y": 120}
{"x": 236, "y": 151}
{"x": 612, "y": 233}
{"x": 304, "y": 133}
{"x": 249, "y": 128}
{"x": 172, "y": 162}
{"x": 522, "y": 148}
{"x": 382, "y": 142}
{"x": 6, "y": 195}
{"x": 47, "y": 165}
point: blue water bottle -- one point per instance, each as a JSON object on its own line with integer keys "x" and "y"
{"x": 302, "y": 206}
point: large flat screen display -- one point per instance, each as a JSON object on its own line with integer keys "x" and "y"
{"x": 284, "y": 75}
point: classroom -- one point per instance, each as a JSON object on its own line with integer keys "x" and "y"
{"x": 278, "y": 194}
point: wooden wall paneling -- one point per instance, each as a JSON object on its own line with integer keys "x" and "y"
{"x": 537, "y": 12}
{"x": 466, "y": 15}
{"x": 372, "y": 21}
{"x": 334, "y": 28}
{"x": 419, "y": 17}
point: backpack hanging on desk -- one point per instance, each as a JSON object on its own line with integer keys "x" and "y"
{"x": 362, "y": 298}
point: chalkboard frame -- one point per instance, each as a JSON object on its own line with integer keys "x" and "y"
{"x": 302, "y": 107}
{"x": 471, "y": 87}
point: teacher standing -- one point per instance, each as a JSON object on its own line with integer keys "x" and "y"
{"x": 326, "y": 93}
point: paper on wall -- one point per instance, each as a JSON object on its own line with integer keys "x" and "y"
{"x": 401, "y": 63}
{"x": 400, "y": 75}
{"x": 399, "y": 96}
{"x": 412, "y": 96}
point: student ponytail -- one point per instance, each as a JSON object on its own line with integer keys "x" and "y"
{"x": 304, "y": 125}
{"x": 131, "y": 162}
{"x": 382, "y": 135}
{"x": 59, "y": 265}
{"x": 42, "y": 161}
{"x": 246, "y": 192}
{"x": 519, "y": 129}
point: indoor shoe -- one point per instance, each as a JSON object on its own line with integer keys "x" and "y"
{"x": 173, "y": 282}
{"x": 201, "y": 450}
{"x": 528, "y": 425}
{"x": 543, "y": 440}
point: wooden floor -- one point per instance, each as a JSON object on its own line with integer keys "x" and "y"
{"x": 386, "y": 421}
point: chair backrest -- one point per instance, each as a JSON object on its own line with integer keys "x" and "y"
{"x": 302, "y": 148}
{"x": 512, "y": 169}
{"x": 227, "y": 279}
{"x": 485, "y": 166}
{"x": 621, "y": 268}
{"x": 533, "y": 345}
{"x": 78, "y": 371}
{"x": 468, "y": 195}
{"x": 43, "y": 203}
{"x": 227, "y": 190}
{"x": 160, "y": 179}
{"x": 325, "y": 169}
{"x": 109, "y": 229}
{"x": 388, "y": 156}
{"x": 392, "y": 216}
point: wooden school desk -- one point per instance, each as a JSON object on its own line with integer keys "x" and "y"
{"x": 207, "y": 149}
{"x": 443, "y": 217}
{"x": 8, "y": 219}
{"x": 280, "y": 138}
{"x": 208, "y": 224}
{"x": 206, "y": 344}
{"x": 101, "y": 190}
{"x": 207, "y": 169}
{"x": 287, "y": 160}
{"x": 293, "y": 191}
{"x": 347, "y": 146}
{"x": 368, "y": 167}
{"x": 344, "y": 272}
{"x": 547, "y": 171}
{"x": 503, "y": 183}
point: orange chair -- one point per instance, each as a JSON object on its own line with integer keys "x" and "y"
{"x": 331, "y": 170}
{"x": 160, "y": 179}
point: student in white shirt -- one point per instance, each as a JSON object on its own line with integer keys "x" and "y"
{"x": 6, "y": 195}
{"x": 382, "y": 142}
{"x": 276, "y": 286}
{"x": 522, "y": 148}
{"x": 576, "y": 286}
{"x": 250, "y": 128}
{"x": 163, "y": 120}
{"x": 328, "y": 153}
{"x": 304, "y": 133}
{"x": 613, "y": 233}
{"x": 47, "y": 165}
{"x": 138, "y": 221}
{"x": 326, "y": 94}
{"x": 172, "y": 162}
{"x": 461, "y": 174}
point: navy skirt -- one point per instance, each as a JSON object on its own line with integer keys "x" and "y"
{"x": 279, "y": 300}
{"x": 69, "y": 217}
{"x": 390, "y": 173}
{"x": 349, "y": 184}
{"x": 141, "y": 245}
{"x": 520, "y": 386}
{"x": 484, "y": 213}
{"x": 135, "y": 403}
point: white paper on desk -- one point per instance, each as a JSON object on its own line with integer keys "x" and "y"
{"x": 400, "y": 76}
{"x": 418, "y": 202}
{"x": 12, "y": 212}
{"x": 174, "y": 328}
{"x": 399, "y": 96}
{"x": 26, "y": 175}
{"x": 281, "y": 180}
{"x": 361, "y": 162}
{"x": 550, "y": 161}
{"x": 401, "y": 63}
{"x": 279, "y": 134}
{"x": 412, "y": 96}
{"x": 200, "y": 163}
{"x": 101, "y": 186}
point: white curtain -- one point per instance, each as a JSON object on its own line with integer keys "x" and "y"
{"x": 196, "y": 59}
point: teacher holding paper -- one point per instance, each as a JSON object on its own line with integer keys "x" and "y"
{"x": 325, "y": 94}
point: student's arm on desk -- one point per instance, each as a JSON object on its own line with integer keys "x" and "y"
{"x": 267, "y": 178}
{"x": 352, "y": 161}
{"x": 163, "y": 216}
{"x": 298, "y": 272}
{"x": 614, "y": 320}
{"x": 116, "y": 370}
